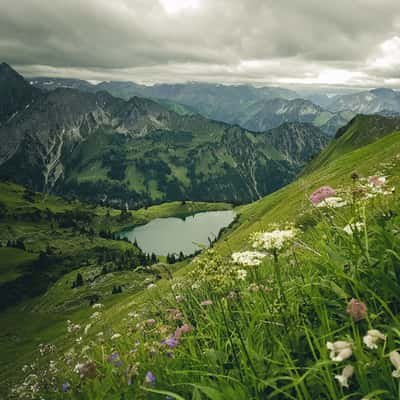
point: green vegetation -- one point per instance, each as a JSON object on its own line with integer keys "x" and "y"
{"x": 287, "y": 299}
{"x": 46, "y": 243}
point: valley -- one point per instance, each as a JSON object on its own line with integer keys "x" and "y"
{"x": 97, "y": 211}
{"x": 142, "y": 287}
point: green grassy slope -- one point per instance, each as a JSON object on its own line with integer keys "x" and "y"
{"x": 360, "y": 131}
{"x": 285, "y": 204}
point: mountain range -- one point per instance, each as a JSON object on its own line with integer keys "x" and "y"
{"x": 100, "y": 147}
{"x": 252, "y": 108}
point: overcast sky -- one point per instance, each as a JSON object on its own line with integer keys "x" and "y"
{"x": 340, "y": 42}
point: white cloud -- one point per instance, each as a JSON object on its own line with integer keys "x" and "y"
{"x": 388, "y": 56}
{"x": 174, "y": 7}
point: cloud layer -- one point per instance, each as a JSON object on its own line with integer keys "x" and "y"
{"x": 353, "y": 42}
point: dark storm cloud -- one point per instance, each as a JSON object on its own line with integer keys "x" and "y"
{"x": 216, "y": 40}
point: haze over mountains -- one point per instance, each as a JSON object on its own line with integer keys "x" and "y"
{"x": 257, "y": 109}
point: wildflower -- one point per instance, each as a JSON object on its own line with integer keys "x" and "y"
{"x": 182, "y": 329}
{"x": 333, "y": 202}
{"x": 174, "y": 314}
{"x": 206, "y": 303}
{"x": 65, "y": 387}
{"x": 274, "y": 239}
{"x": 340, "y": 350}
{"x": 150, "y": 321}
{"x": 178, "y": 299}
{"x": 248, "y": 258}
{"x": 242, "y": 274}
{"x": 151, "y": 286}
{"x": 115, "y": 336}
{"x": 395, "y": 359}
{"x": 87, "y": 370}
{"x": 113, "y": 356}
{"x": 355, "y": 227}
{"x": 171, "y": 342}
{"x": 321, "y": 194}
{"x": 372, "y": 337}
{"x": 357, "y": 309}
{"x": 97, "y": 305}
{"x": 253, "y": 287}
{"x": 73, "y": 328}
{"x": 347, "y": 373}
{"x": 150, "y": 378}
{"x": 133, "y": 314}
{"x": 95, "y": 316}
{"x": 376, "y": 181}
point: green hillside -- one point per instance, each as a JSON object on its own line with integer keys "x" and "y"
{"x": 221, "y": 330}
{"x": 360, "y": 131}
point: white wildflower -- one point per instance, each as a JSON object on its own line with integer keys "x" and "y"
{"x": 333, "y": 202}
{"x": 73, "y": 328}
{"x": 354, "y": 227}
{"x": 95, "y": 316}
{"x": 97, "y": 305}
{"x": 85, "y": 349}
{"x": 133, "y": 314}
{"x": 248, "y": 258}
{"x": 242, "y": 273}
{"x": 115, "y": 336}
{"x": 340, "y": 350}
{"x": 395, "y": 359}
{"x": 347, "y": 373}
{"x": 273, "y": 239}
{"x": 151, "y": 286}
{"x": 372, "y": 337}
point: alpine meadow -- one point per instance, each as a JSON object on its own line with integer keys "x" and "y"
{"x": 199, "y": 200}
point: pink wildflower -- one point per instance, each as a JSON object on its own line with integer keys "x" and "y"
{"x": 357, "y": 309}
{"x": 377, "y": 181}
{"x": 182, "y": 329}
{"x": 321, "y": 194}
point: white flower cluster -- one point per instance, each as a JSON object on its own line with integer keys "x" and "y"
{"x": 248, "y": 258}
{"x": 354, "y": 227}
{"x": 72, "y": 328}
{"x": 272, "y": 240}
{"x": 332, "y": 202}
{"x": 342, "y": 350}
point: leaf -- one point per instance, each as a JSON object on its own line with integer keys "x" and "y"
{"x": 163, "y": 392}
{"x": 211, "y": 393}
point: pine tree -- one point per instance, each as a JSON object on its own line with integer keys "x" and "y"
{"x": 79, "y": 280}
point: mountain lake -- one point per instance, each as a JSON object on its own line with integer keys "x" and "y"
{"x": 173, "y": 235}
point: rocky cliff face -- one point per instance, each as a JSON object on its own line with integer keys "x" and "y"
{"x": 15, "y": 93}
